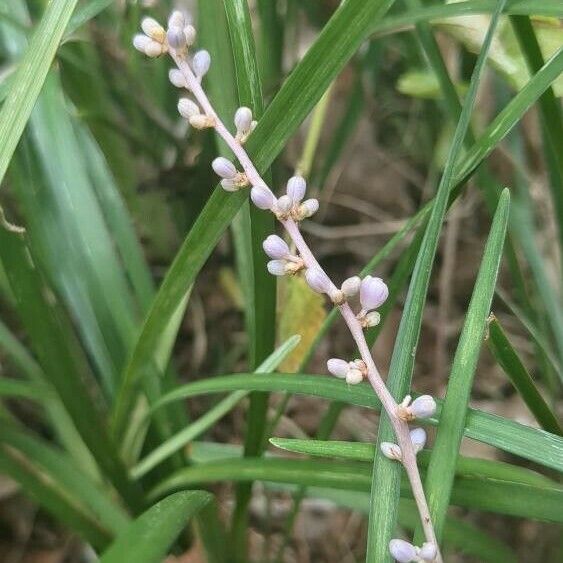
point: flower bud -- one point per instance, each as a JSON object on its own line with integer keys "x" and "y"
{"x": 308, "y": 208}
{"x": 423, "y": 407}
{"x": 354, "y": 376}
{"x": 296, "y": 187}
{"x": 351, "y": 286}
{"x": 262, "y": 197}
{"x": 229, "y": 185}
{"x": 177, "y": 78}
{"x": 428, "y": 551}
{"x": 402, "y": 551}
{"x": 391, "y": 451}
{"x": 187, "y": 108}
{"x": 190, "y": 35}
{"x": 243, "y": 120}
{"x": 201, "y": 63}
{"x": 141, "y": 41}
{"x": 176, "y": 19}
{"x": 153, "y": 29}
{"x": 317, "y": 280}
{"x": 176, "y": 38}
{"x": 201, "y": 121}
{"x": 275, "y": 247}
{"x": 277, "y": 267}
{"x": 338, "y": 367}
{"x": 373, "y": 293}
{"x": 373, "y": 318}
{"x": 418, "y": 438}
{"x": 283, "y": 205}
{"x": 224, "y": 168}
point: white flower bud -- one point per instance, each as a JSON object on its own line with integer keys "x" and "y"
{"x": 153, "y": 29}
{"x": 283, "y": 205}
{"x": 154, "y": 49}
{"x": 423, "y": 407}
{"x": 187, "y": 108}
{"x": 262, "y": 197}
{"x": 275, "y": 247}
{"x": 391, "y": 451}
{"x": 224, "y": 168}
{"x": 354, "y": 376}
{"x": 308, "y": 208}
{"x": 338, "y": 367}
{"x": 176, "y": 19}
{"x": 373, "y": 318}
{"x": 201, "y": 63}
{"x": 190, "y": 34}
{"x": 418, "y": 438}
{"x": 428, "y": 551}
{"x": 351, "y": 286}
{"x": 402, "y": 551}
{"x": 373, "y": 293}
{"x": 141, "y": 41}
{"x": 277, "y": 267}
{"x": 201, "y": 121}
{"x": 318, "y": 281}
{"x": 176, "y": 38}
{"x": 229, "y": 185}
{"x": 296, "y": 187}
{"x": 243, "y": 120}
{"x": 177, "y": 78}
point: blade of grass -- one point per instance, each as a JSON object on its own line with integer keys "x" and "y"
{"x": 149, "y": 537}
{"x": 529, "y": 443}
{"x": 508, "y": 359}
{"x": 386, "y": 474}
{"x": 28, "y": 79}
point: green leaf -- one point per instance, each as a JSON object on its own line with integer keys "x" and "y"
{"x": 28, "y": 79}
{"x": 149, "y": 537}
{"x": 508, "y": 359}
{"x": 495, "y": 495}
{"x": 529, "y": 443}
{"x": 341, "y": 37}
{"x": 386, "y": 473}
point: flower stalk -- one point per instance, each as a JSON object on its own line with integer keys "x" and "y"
{"x": 290, "y": 209}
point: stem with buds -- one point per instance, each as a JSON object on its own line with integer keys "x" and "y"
{"x": 189, "y": 76}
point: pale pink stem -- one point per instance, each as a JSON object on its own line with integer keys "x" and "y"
{"x": 400, "y": 427}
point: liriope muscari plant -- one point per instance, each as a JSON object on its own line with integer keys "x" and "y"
{"x": 290, "y": 209}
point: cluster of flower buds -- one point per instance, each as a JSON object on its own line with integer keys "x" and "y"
{"x": 190, "y": 110}
{"x": 283, "y": 262}
{"x": 393, "y": 451}
{"x": 422, "y": 407}
{"x": 244, "y": 123}
{"x": 353, "y": 372}
{"x": 155, "y": 40}
{"x": 180, "y": 34}
{"x": 291, "y": 205}
{"x": 373, "y": 293}
{"x": 232, "y": 179}
{"x": 404, "y": 552}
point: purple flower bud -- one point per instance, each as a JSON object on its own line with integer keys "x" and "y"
{"x": 351, "y": 286}
{"x": 423, "y": 407}
{"x": 153, "y": 29}
{"x": 296, "y": 187}
{"x": 276, "y": 267}
{"x": 262, "y": 197}
{"x": 418, "y": 438}
{"x": 190, "y": 34}
{"x": 391, "y": 451}
{"x": 201, "y": 63}
{"x": 176, "y": 38}
{"x": 428, "y": 551}
{"x": 177, "y": 78}
{"x": 338, "y": 367}
{"x": 275, "y": 247}
{"x": 317, "y": 280}
{"x": 243, "y": 120}
{"x": 283, "y": 205}
{"x": 308, "y": 208}
{"x": 224, "y": 168}
{"x": 187, "y": 108}
{"x": 373, "y": 293}
{"x": 354, "y": 376}
{"x": 402, "y": 551}
{"x": 229, "y": 185}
